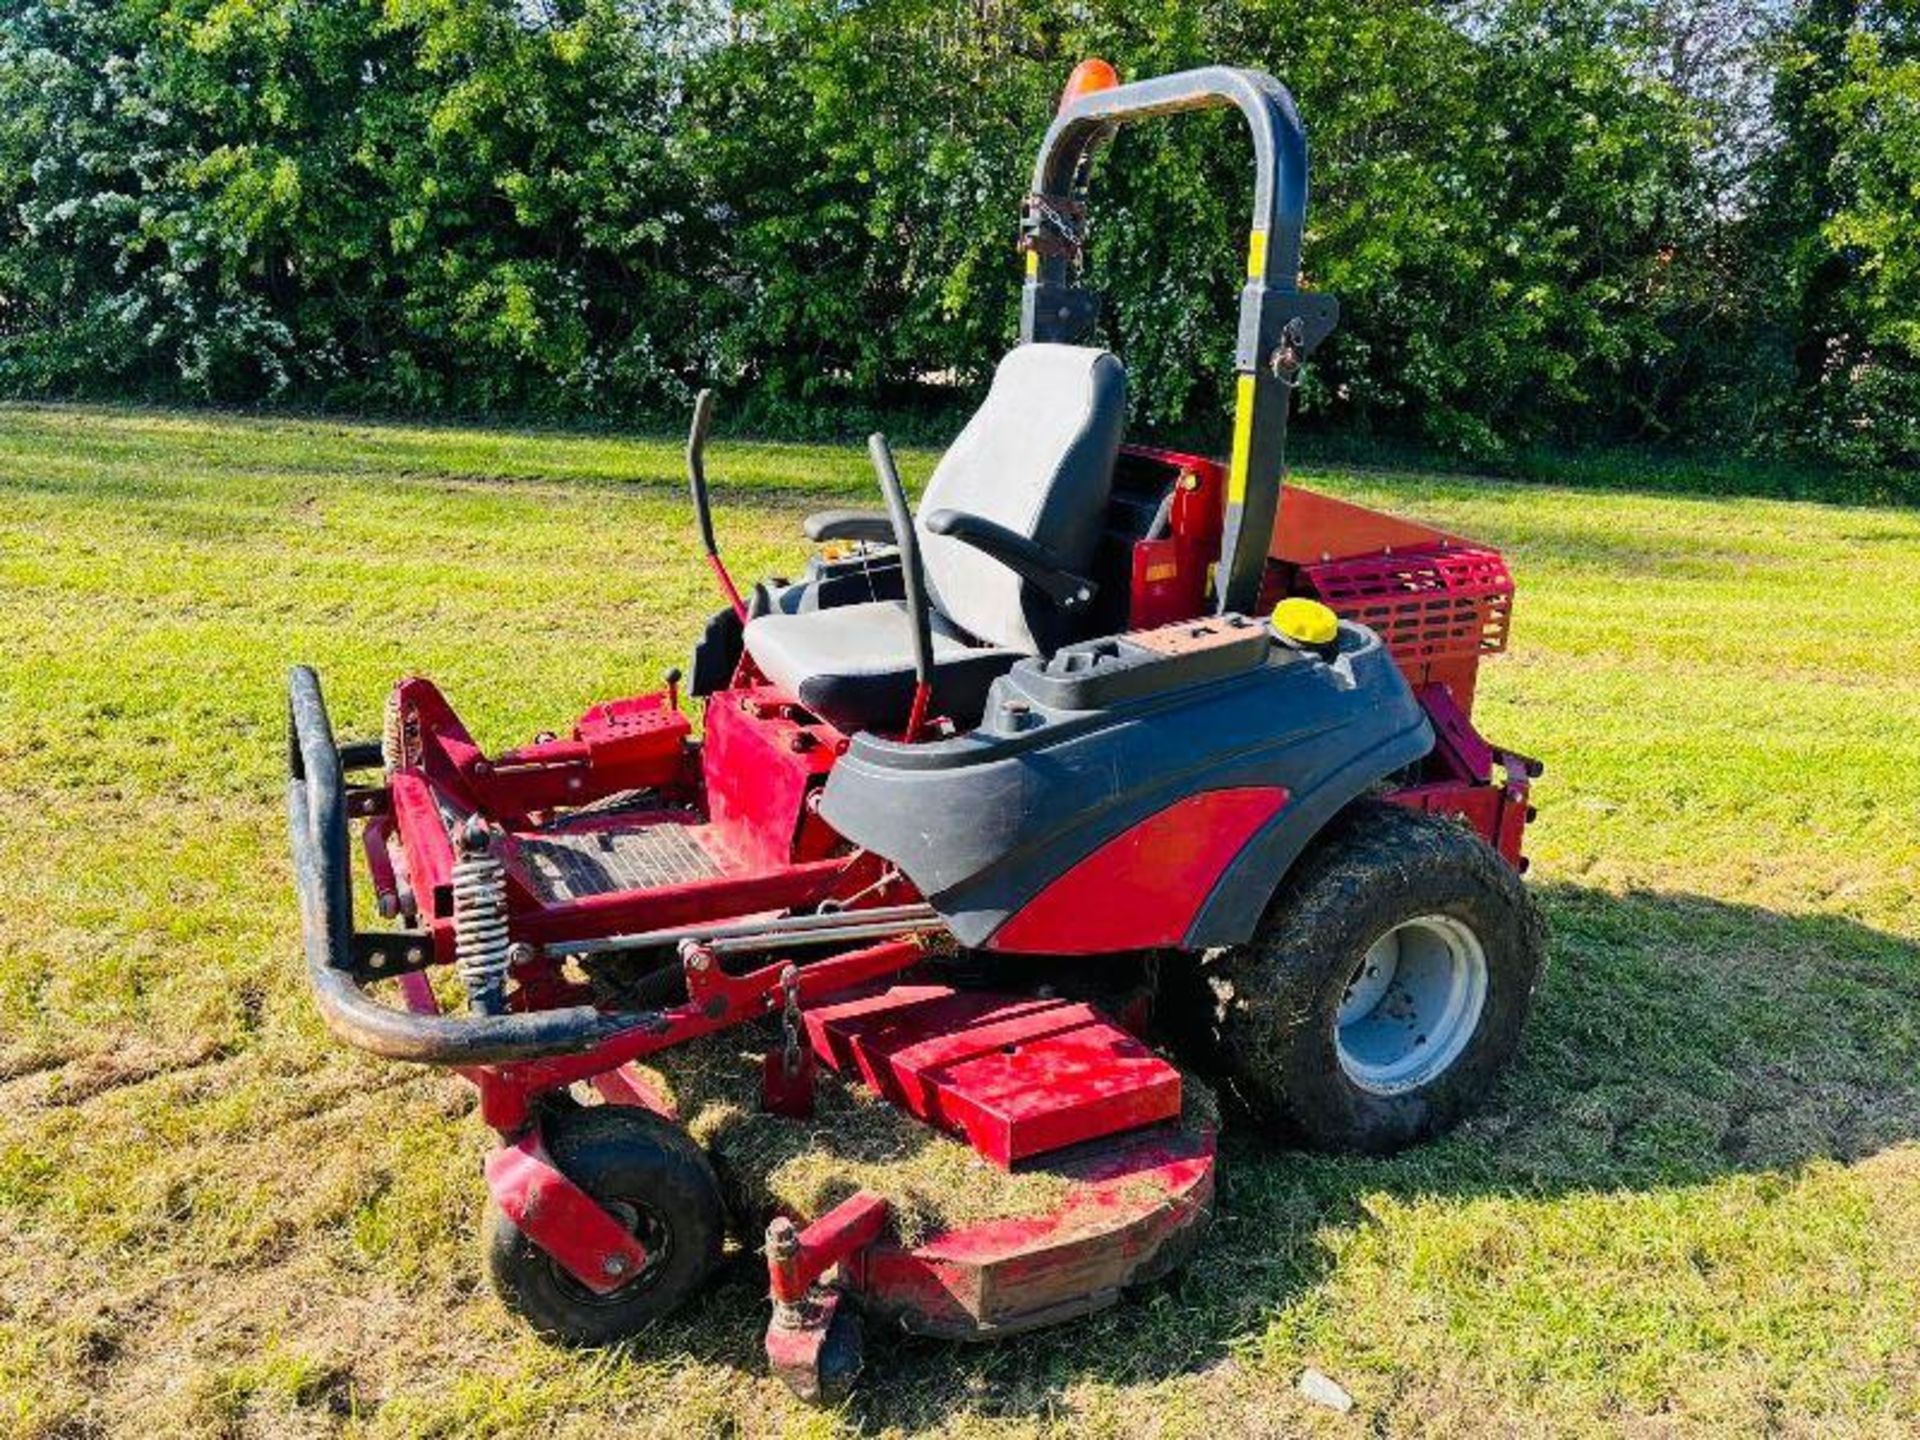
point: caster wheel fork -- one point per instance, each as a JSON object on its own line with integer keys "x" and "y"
{"x": 817, "y": 1346}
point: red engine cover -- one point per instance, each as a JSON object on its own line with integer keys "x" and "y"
{"x": 1143, "y": 887}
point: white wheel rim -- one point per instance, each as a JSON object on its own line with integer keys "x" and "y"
{"x": 1411, "y": 1005}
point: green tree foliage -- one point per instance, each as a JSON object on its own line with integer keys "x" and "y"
{"x": 419, "y": 203}
{"x": 1546, "y": 219}
{"x": 1843, "y": 213}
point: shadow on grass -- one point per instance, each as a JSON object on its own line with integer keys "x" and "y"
{"x": 1676, "y": 1040}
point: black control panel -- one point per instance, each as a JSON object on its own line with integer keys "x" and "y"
{"x": 1097, "y": 673}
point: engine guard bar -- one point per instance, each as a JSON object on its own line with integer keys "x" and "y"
{"x": 317, "y": 820}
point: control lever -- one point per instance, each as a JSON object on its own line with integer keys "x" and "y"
{"x": 702, "y": 511}
{"x": 916, "y": 593}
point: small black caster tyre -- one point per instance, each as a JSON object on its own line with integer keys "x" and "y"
{"x": 817, "y": 1355}
{"x": 656, "y": 1181}
{"x": 843, "y": 1355}
{"x": 1386, "y": 987}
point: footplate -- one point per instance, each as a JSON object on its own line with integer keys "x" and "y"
{"x": 580, "y": 861}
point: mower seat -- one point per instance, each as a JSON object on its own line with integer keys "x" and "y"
{"x": 1036, "y": 459}
{"x": 852, "y": 665}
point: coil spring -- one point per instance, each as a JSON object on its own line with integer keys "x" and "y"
{"x": 393, "y": 746}
{"x": 480, "y": 943}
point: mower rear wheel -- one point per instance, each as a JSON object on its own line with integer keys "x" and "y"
{"x": 1388, "y": 983}
{"x": 653, "y": 1178}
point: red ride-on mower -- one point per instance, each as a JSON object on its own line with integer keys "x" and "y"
{"x": 1102, "y": 742}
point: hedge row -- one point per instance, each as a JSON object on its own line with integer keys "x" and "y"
{"x": 1545, "y": 223}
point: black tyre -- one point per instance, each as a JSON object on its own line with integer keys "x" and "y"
{"x": 657, "y": 1181}
{"x": 1388, "y": 983}
{"x": 843, "y": 1355}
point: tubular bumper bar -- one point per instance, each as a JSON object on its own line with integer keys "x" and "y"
{"x": 317, "y": 819}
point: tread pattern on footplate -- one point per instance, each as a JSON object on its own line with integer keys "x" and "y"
{"x": 596, "y": 862}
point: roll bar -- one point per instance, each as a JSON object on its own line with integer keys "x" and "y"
{"x": 1279, "y": 324}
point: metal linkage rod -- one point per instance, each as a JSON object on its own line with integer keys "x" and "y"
{"x": 737, "y": 936}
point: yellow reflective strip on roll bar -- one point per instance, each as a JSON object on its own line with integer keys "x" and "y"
{"x": 1033, "y": 264}
{"x": 1243, "y": 398}
{"x": 1242, "y": 441}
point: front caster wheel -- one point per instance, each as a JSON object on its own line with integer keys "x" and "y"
{"x": 1388, "y": 983}
{"x": 650, "y": 1176}
{"x": 818, "y": 1356}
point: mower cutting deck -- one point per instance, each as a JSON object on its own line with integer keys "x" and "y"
{"x": 995, "y": 805}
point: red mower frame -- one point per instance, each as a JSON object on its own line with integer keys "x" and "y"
{"x": 1442, "y": 602}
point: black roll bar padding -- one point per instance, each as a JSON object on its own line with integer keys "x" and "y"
{"x": 317, "y": 825}
{"x": 908, "y": 544}
{"x": 697, "y": 466}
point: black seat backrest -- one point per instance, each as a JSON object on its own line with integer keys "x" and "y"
{"x": 1037, "y": 457}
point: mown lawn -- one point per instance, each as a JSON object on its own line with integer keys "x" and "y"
{"x": 1694, "y": 1206}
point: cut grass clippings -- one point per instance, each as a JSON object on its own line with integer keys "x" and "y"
{"x": 854, "y": 1141}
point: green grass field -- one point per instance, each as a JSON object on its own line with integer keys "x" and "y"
{"x": 1694, "y": 1206}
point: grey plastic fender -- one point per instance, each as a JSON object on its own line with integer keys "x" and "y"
{"x": 984, "y": 822}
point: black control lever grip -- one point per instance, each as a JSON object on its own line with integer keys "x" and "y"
{"x": 697, "y": 467}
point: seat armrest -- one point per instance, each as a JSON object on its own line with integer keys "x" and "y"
{"x": 867, "y": 526}
{"x": 1032, "y": 562}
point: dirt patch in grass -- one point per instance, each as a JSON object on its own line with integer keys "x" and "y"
{"x": 134, "y": 1062}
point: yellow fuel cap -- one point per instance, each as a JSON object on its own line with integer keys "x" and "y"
{"x": 1305, "y": 622}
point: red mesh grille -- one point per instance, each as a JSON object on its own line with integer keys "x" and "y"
{"x": 1425, "y": 604}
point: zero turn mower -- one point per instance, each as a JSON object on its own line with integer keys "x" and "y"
{"x": 1102, "y": 747}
